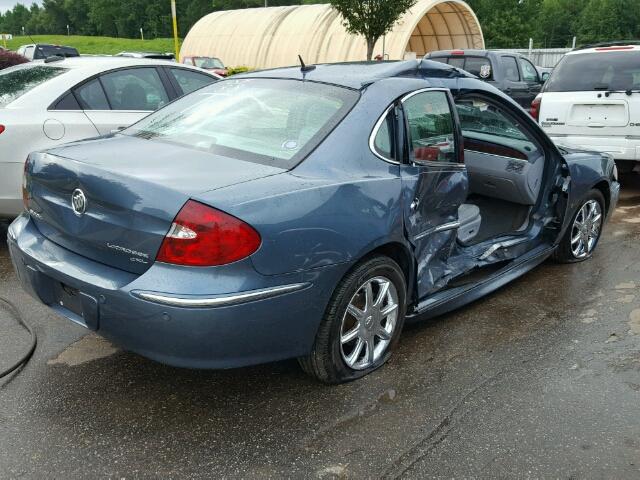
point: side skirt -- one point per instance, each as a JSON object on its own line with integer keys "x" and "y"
{"x": 448, "y": 300}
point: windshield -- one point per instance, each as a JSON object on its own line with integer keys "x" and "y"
{"x": 614, "y": 70}
{"x": 15, "y": 82}
{"x": 267, "y": 121}
{"x": 203, "y": 62}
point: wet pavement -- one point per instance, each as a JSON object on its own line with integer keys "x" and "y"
{"x": 539, "y": 380}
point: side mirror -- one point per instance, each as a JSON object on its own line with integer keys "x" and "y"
{"x": 544, "y": 77}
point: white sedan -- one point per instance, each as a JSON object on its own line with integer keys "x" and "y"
{"x": 44, "y": 104}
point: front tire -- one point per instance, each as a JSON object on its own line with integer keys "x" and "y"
{"x": 582, "y": 237}
{"x": 362, "y": 324}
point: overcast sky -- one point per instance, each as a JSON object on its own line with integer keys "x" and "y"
{"x": 8, "y": 4}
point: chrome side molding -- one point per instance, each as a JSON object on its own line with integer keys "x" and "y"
{"x": 221, "y": 300}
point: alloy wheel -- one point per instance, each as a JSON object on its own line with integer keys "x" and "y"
{"x": 369, "y": 323}
{"x": 586, "y": 229}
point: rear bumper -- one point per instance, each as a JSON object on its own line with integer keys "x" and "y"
{"x": 11, "y": 189}
{"x": 277, "y": 318}
{"x": 621, "y": 148}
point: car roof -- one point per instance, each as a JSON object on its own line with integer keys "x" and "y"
{"x": 101, "y": 63}
{"x": 358, "y": 75}
{"x": 459, "y": 52}
{"x": 607, "y": 47}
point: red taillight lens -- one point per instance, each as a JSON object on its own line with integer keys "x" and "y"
{"x": 2, "y": 129}
{"x": 535, "y": 107}
{"x": 202, "y": 236}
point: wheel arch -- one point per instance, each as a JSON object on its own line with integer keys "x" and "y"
{"x": 604, "y": 188}
{"x": 401, "y": 254}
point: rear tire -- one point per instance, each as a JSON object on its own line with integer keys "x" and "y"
{"x": 361, "y": 326}
{"x": 582, "y": 236}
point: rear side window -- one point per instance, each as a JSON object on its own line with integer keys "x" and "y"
{"x": 266, "y": 121}
{"x": 431, "y": 128}
{"x": 137, "y": 89}
{"x": 383, "y": 143}
{"x": 480, "y": 67}
{"x": 15, "y": 82}
{"x": 511, "y": 69}
{"x": 613, "y": 70}
{"x": 91, "y": 96}
{"x": 190, "y": 81}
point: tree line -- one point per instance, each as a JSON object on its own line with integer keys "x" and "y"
{"x": 506, "y": 23}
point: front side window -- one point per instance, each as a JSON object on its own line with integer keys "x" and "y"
{"x": 268, "y": 121}
{"x": 529, "y": 72}
{"x": 431, "y": 129}
{"x": 138, "y": 89}
{"x": 16, "y": 81}
{"x": 190, "y": 81}
{"x": 486, "y": 128}
{"x": 511, "y": 69}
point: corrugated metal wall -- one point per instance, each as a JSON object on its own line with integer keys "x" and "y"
{"x": 274, "y": 37}
{"x": 542, "y": 57}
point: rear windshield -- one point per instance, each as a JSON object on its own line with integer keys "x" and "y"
{"x": 617, "y": 70}
{"x": 15, "y": 82}
{"x": 204, "y": 62}
{"x": 45, "y": 51}
{"x": 268, "y": 121}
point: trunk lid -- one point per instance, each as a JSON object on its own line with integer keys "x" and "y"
{"x": 588, "y": 113}
{"x": 132, "y": 190}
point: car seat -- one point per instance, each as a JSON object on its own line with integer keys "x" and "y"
{"x": 470, "y": 221}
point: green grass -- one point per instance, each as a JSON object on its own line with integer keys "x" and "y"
{"x": 96, "y": 45}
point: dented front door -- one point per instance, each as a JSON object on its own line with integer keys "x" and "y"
{"x": 435, "y": 184}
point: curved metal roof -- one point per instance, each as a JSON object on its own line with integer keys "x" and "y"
{"x": 275, "y": 36}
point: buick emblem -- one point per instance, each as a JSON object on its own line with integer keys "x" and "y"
{"x": 78, "y": 202}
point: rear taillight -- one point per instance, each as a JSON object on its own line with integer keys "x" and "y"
{"x": 2, "y": 129}
{"x": 202, "y": 236}
{"x": 535, "y": 107}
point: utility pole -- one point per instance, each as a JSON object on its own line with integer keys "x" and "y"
{"x": 68, "y": 31}
{"x": 174, "y": 16}
{"x": 141, "y": 34}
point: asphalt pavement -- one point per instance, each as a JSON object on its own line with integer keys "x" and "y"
{"x": 538, "y": 380}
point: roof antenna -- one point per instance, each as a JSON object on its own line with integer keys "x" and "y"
{"x": 304, "y": 68}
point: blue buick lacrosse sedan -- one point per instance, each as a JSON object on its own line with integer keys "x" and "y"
{"x": 303, "y": 213}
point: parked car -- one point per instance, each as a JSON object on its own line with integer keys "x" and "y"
{"x": 511, "y": 73}
{"x": 303, "y": 213}
{"x": 212, "y": 64}
{"x": 592, "y": 100}
{"x": 150, "y": 55}
{"x": 46, "y": 104}
{"x": 40, "y": 51}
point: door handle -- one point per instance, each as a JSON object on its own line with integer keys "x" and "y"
{"x": 415, "y": 204}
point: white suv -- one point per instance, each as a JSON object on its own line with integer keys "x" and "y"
{"x": 592, "y": 101}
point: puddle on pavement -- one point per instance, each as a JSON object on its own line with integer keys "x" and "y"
{"x": 87, "y": 349}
